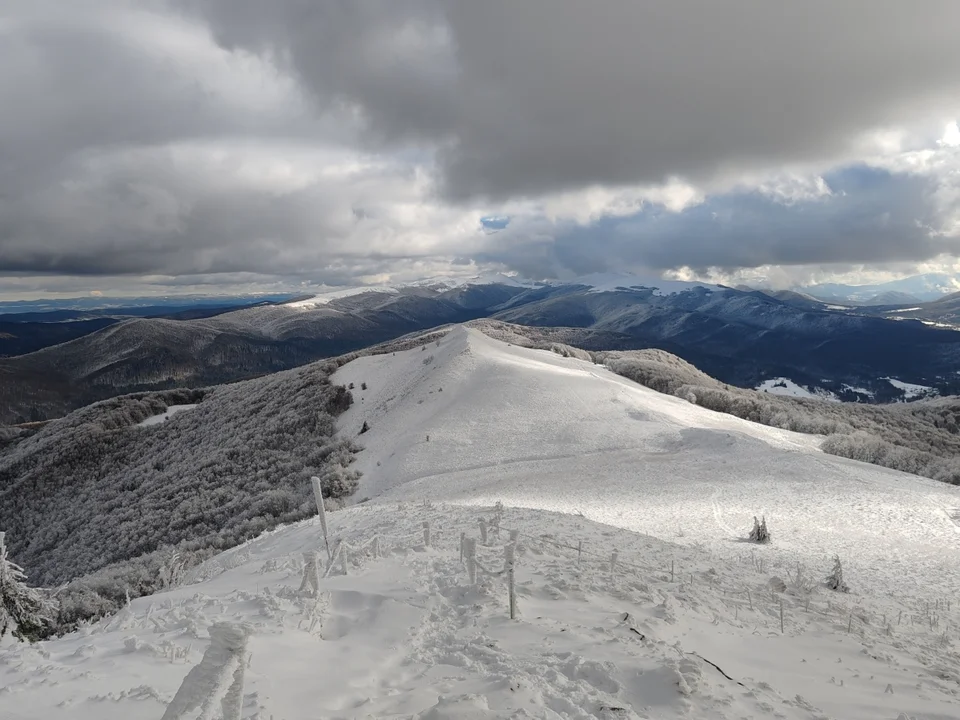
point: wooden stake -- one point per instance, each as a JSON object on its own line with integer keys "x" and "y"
{"x": 322, "y": 512}
{"x": 510, "y": 554}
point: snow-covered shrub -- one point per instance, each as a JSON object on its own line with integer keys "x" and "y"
{"x": 835, "y": 579}
{"x": 90, "y": 490}
{"x": 759, "y": 533}
{"x": 570, "y": 352}
{"x": 24, "y": 610}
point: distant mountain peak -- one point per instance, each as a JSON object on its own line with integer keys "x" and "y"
{"x": 619, "y": 281}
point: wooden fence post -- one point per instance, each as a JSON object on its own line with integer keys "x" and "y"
{"x": 463, "y": 537}
{"x": 321, "y": 511}
{"x": 470, "y": 552}
{"x": 510, "y": 553}
{"x": 613, "y": 562}
{"x": 579, "y": 552}
{"x": 483, "y": 531}
{"x": 426, "y": 533}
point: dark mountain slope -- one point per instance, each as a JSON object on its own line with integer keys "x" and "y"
{"x": 745, "y": 337}
{"x": 145, "y": 354}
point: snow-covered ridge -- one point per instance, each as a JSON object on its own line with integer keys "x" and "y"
{"x": 444, "y": 283}
{"x": 473, "y": 420}
{"x": 325, "y": 298}
{"x": 614, "y": 282}
{"x": 684, "y": 622}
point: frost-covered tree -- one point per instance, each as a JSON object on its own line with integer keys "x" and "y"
{"x": 759, "y": 534}
{"x": 25, "y": 610}
{"x": 835, "y": 579}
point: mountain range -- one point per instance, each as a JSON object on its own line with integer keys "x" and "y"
{"x": 914, "y": 289}
{"x": 740, "y": 336}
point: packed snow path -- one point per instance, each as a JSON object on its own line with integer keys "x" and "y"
{"x": 406, "y": 636}
{"x": 474, "y": 420}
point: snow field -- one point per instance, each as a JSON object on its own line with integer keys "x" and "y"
{"x": 164, "y": 416}
{"x": 406, "y": 635}
{"x": 533, "y": 429}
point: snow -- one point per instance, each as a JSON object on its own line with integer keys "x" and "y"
{"x": 443, "y": 282}
{"x": 407, "y": 636}
{"x": 482, "y": 279}
{"x": 785, "y": 386}
{"x": 537, "y": 430}
{"x": 614, "y": 282}
{"x": 903, "y": 310}
{"x": 163, "y": 417}
{"x": 860, "y": 390}
{"x": 685, "y": 625}
{"x": 911, "y": 390}
{"x": 328, "y": 296}
{"x": 836, "y": 307}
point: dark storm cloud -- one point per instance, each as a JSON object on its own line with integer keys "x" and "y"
{"x": 275, "y": 137}
{"x": 870, "y": 213}
{"x": 535, "y": 96}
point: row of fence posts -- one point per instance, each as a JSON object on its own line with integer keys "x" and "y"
{"x": 468, "y": 557}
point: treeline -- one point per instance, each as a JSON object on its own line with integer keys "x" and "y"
{"x": 108, "y": 509}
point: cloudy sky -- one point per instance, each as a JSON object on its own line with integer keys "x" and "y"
{"x": 157, "y": 146}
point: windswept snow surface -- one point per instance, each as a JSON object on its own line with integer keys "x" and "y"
{"x": 537, "y": 430}
{"x": 787, "y": 387}
{"x": 911, "y": 391}
{"x": 673, "y": 632}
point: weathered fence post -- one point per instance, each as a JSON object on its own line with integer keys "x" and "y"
{"x": 426, "y": 533}
{"x": 470, "y": 553}
{"x": 613, "y": 562}
{"x": 321, "y": 511}
{"x": 579, "y": 552}
{"x": 510, "y": 554}
{"x": 781, "y": 616}
{"x": 483, "y": 531}
{"x": 463, "y": 537}
{"x": 343, "y": 557}
{"x": 514, "y": 536}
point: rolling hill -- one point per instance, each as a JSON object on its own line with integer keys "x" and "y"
{"x": 637, "y": 596}
{"x": 741, "y": 337}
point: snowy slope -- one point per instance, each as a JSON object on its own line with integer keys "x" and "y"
{"x": 537, "y": 430}
{"x": 674, "y": 632}
{"x": 686, "y": 624}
